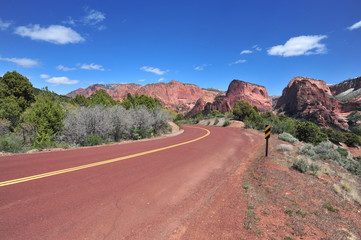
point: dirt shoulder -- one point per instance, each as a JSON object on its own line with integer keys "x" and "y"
{"x": 283, "y": 203}
{"x": 267, "y": 199}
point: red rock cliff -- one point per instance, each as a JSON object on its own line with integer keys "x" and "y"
{"x": 238, "y": 90}
{"x": 178, "y": 96}
{"x": 354, "y": 83}
{"x": 310, "y": 99}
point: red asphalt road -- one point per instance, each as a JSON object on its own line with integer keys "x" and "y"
{"x": 146, "y": 197}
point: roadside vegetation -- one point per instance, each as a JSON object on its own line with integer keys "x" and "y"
{"x": 299, "y": 129}
{"x": 32, "y": 118}
{"x": 321, "y": 143}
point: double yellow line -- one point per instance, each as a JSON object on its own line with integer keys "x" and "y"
{"x": 48, "y": 174}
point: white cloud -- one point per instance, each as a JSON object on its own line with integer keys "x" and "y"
{"x": 61, "y": 80}
{"x": 246, "y": 52}
{"x": 4, "y": 25}
{"x": 93, "y": 17}
{"x": 70, "y": 21}
{"x": 302, "y": 45}
{"x": 201, "y": 67}
{"x": 238, "y": 62}
{"x": 141, "y": 80}
{"x": 62, "y": 68}
{"x": 54, "y": 34}
{"x": 355, "y": 26}
{"x": 44, "y": 76}
{"x": 92, "y": 66}
{"x": 161, "y": 79}
{"x": 257, "y": 48}
{"x": 23, "y": 62}
{"x": 153, "y": 70}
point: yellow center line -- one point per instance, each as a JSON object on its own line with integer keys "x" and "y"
{"x": 48, "y": 174}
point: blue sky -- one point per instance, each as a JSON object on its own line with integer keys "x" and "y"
{"x": 66, "y": 45}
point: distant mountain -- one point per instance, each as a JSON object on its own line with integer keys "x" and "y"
{"x": 175, "y": 95}
{"x": 303, "y": 97}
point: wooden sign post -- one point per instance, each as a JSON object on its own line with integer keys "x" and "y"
{"x": 267, "y": 135}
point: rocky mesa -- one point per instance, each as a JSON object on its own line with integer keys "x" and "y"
{"x": 175, "y": 95}
{"x": 316, "y": 101}
{"x": 238, "y": 90}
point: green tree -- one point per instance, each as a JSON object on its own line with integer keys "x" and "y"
{"x": 80, "y": 100}
{"x": 352, "y": 140}
{"x": 142, "y": 100}
{"x": 10, "y": 110}
{"x": 309, "y": 132}
{"x": 243, "y": 111}
{"x": 18, "y": 86}
{"x": 101, "y": 97}
{"x": 47, "y": 117}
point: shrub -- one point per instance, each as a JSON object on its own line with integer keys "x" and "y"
{"x": 4, "y": 126}
{"x": 334, "y": 135}
{"x": 93, "y": 140}
{"x": 216, "y": 113}
{"x": 314, "y": 168}
{"x": 300, "y": 165}
{"x": 47, "y": 117}
{"x": 11, "y": 143}
{"x": 307, "y": 150}
{"x": 352, "y": 140}
{"x": 309, "y": 132}
{"x": 284, "y": 148}
{"x": 226, "y": 123}
{"x": 216, "y": 121}
{"x": 343, "y": 152}
{"x": 288, "y": 137}
{"x": 323, "y": 149}
{"x": 229, "y": 115}
{"x": 243, "y": 110}
{"x": 334, "y": 156}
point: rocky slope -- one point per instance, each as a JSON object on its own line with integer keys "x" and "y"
{"x": 238, "y": 90}
{"x": 348, "y": 91}
{"x": 314, "y": 100}
{"x": 354, "y": 83}
{"x": 178, "y": 96}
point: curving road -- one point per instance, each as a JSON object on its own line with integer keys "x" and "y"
{"x": 141, "y": 190}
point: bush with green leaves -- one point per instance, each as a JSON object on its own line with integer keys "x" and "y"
{"x": 216, "y": 113}
{"x": 216, "y": 122}
{"x": 101, "y": 97}
{"x": 309, "y": 132}
{"x": 139, "y": 101}
{"x": 301, "y": 166}
{"x": 226, "y": 123}
{"x": 352, "y": 140}
{"x": 314, "y": 168}
{"x": 11, "y": 143}
{"x": 244, "y": 111}
{"x": 288, "y": 138}
{"x": 326, "y": 151}
{"x": 5, "y": 126}
{"x": 343, "y": 152}
{"x": 47, "y": 118}
{"x": 93, "y": 140}
{"x": 308, "y": 150}
{"x": 334, "y": 135}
